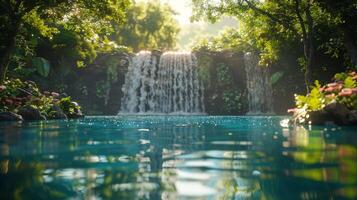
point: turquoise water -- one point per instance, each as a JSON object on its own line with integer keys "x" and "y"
{"x": 169, "y": 157}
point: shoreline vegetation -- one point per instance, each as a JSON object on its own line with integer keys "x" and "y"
{"x": 23, "y": 100}
{"x": 82, "y": 53}
{"x": 333, "y": 103}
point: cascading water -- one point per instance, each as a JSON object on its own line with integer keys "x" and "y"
{"x": 258, "y": 85}
{"x": 168, "y": 86}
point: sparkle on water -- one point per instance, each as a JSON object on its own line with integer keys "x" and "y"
{"x": 176, "y": 157}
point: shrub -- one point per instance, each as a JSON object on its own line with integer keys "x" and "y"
{"x": 15, "y": 94}
{"x": 343, "y": 90}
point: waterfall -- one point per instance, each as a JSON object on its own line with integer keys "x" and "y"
{"x": 166, "y": 84}
{"x": 258, "y": 86}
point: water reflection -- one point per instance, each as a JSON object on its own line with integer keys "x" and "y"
{"x": 176, "y": 158}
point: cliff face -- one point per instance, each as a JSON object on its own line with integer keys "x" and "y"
{"x": 224, "y": 79}
{"x": 98, "y": 87}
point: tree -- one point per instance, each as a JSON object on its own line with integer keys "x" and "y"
{"x": 292, "y": 20}
{"x": 346, "y": 12}
{"x": 17, "y": 16}
{"x": 149, "y": 25}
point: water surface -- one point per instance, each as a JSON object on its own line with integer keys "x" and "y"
{"x": 176, "y": 157}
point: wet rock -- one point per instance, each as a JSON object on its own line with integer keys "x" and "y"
{"x": 76, "y": 115}
{"x": 30, "y": 113}
{"x": 10, "y": 116}
{"x": 338, "y": 112}
{"x": 56, "y": 113}
{"x": 320, "y": 117}
{"x": 77, "y": 112}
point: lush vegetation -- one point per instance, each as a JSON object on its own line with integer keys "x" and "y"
{"x": 313, "y": 29}
{"x": 53, "y": 42}
{"x": 148, "y": 26}
{"x": 16, "y": 95}
{"x": 49, "y": 42}
{"x": 79, "y": 24}
{"x": 342, "y": 91}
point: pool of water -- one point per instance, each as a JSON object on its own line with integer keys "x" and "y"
{"x": 176, "y": 157}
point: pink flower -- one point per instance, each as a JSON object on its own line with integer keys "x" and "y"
{"x": 354, "y": 90}
{"x": 333, "y": 87}
{"x": 332, "y": 84}
{"x": 346, "y": 92}
{"x": 330, "y": 89}
{"x": 292, "y": 110}
{"x": 55, "y": 94}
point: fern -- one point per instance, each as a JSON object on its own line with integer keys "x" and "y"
{"x": 349, "y": 83}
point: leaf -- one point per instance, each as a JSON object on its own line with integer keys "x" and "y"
{"x": 276, "y": 77}
{"x": 350, "y": 83}
{"x": 340, "y": 76}
{"x": 42, "y": 65}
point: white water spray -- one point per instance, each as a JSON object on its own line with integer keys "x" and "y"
{"x": 258, "y": 85}
{"x": 165, "y": 86}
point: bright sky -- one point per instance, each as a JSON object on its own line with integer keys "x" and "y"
{"x": 188, "y": 34}
{"x": 182, "y": 7}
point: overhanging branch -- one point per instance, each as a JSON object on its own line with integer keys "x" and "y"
{"x": 273, "y": 18}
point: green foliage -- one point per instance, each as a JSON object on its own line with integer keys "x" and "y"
{"x": 228, "y": 39}
{"x": 224, "y": 75}
{"x": 19, "y": 93}
{"x": 15, "y": 94}
{"x": 42, "y": 65}
{"x": 340, "y": 76}
{"x": 343, "y": 91}
{"x": 348, "y": 94}
{"x": 223, "y": 95}
{"x": 149, "y": 25}
{"x": 271, "y": 26}
{"x": 349, "y": 82}
{"x": 68, "y": 106}
{"x": 313, "y": 101}
{"x": 75, "y": 30}
{"x": 232, "y": 101}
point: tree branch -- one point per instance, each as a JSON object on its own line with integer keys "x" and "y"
{"x": 301, "y": 20}
{"x": 272, "y": 17}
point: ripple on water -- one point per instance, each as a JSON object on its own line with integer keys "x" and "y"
{"x": 177, "y": 157}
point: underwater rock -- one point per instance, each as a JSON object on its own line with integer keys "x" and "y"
{"x": 10, "y": 116}
{"x": 31, "y": 113}
{"x": 57, "y": 113}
